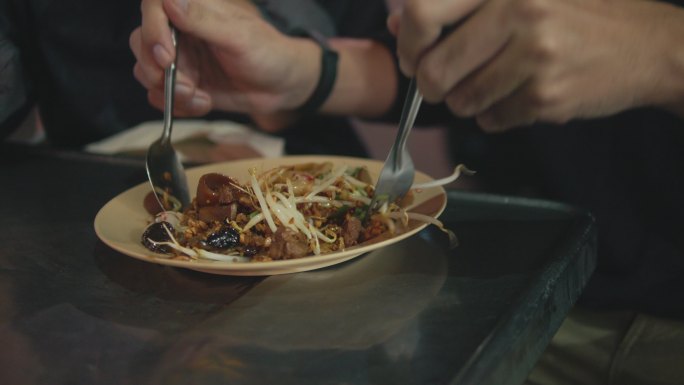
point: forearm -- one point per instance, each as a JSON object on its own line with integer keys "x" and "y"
{"x": 365, "y": 86}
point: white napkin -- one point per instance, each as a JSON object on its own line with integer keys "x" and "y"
{"x": 139, "y": 138}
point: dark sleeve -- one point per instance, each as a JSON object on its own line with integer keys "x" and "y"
{"x": 351, "y": 18}
{"x": 360, "y": 19}
{"x": 16, "y": 98}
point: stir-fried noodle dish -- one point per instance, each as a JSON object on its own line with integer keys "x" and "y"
{"x": 282, "y": 213}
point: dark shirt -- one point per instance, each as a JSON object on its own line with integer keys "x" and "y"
{"x": 71, "y": 58}
{"x": 627, "y": 170}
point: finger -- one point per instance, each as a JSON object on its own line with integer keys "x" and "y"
{"x": 156, "y": 99}
{"x": 521, "y": 108}
{"x": 463, "y": 51}
{"x": 538, "y": 100}
{"x": 149, "y": 74}
{"x": 393, "y": 21}
{"x": 146, "y": 72}
{"x": 156, "y": 44}
{"x": 157, "y": 80}
{"x": 185, "y": 85}
{"x": 190, "y": 60}
{"x": 140, "y": 76}
{"x": 214, "y": 21}
{"x": 501, "y": 76}
{"x": 152, "y": 76}
{"x": 421, "y": 24}
{"x": 197, "y": 103}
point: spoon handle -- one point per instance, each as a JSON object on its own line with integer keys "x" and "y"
{"x": 169, "y": 87}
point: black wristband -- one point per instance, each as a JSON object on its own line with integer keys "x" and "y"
{"x": 326, "y": 81}
{"x": 329, "y": 57}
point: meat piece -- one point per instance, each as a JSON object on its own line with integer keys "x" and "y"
{"x": 364, "y": 176}
{"x": 216, "y": 189}
{"x": 351, "y": 229}
{"x": 217, "y": 213}
{"x": 288, "y": 244}
{"x": 151, "y": 204}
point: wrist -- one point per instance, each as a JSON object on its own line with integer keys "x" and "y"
{"x": 324, "y": 74}
{"x": 326, "y": 78}
{"x": 671, "y": 94}
{"x": 304, "y": 75}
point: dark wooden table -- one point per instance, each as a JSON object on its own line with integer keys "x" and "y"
{"x": 73, "y": 311}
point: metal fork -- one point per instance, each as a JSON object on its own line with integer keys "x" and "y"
{"x": 397, "y": 174}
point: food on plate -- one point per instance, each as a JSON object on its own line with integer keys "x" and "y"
{"x": 286, "y": 212}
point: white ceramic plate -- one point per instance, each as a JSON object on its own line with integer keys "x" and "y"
{"x": 121, "y": 222}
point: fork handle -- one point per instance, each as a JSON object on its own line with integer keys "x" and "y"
{"x": 408, "y": 117}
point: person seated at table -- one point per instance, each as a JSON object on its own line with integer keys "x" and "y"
{"x": 72, "y": 61}
{"x": 583, "y": 102}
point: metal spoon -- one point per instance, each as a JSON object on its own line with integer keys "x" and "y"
{"x": 164, "y": 168}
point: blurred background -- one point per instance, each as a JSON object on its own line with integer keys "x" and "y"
{"x": 428, "y": 145}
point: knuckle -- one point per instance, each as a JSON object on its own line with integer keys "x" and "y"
{"x": 549, "y": 105}
{"x": 431, "y": 80}
{"x": 474, "y": 95}
{"x": 456, "y": 106}
{"x": 544, "y": 48}
{"x": 466, "y": 101}
{"x": 417, "y": 12}
{"x": 196, "y": 13}
{"x": 543, "y": 97}
{"x": 531, "y": 10}
{"x": 134, "y": 39}
{"x": 138, "y": 74}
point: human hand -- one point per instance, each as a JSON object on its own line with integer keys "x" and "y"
{"x": 514, "y": 62}
{"x": 229, "y": 58}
